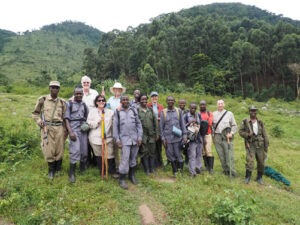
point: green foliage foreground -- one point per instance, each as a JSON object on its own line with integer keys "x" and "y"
{"x": 28, "y": 197}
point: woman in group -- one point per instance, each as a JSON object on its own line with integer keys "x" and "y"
{"x": 95, "y": 134}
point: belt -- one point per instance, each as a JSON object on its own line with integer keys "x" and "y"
{"x": 54, "y": 123}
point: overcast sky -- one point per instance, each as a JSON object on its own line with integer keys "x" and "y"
{"x": 106, "y": 15}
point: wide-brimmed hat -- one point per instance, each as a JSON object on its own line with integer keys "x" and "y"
{"x": 117, "y": 85}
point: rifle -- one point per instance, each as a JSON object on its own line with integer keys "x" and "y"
{"x": 45, "y": 131}
{"x": 104, "y": 148}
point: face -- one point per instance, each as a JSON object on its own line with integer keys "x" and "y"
{"x": 193, "y": 108}
{"x": 181, "y": 104}
{"x": 125, "y": 102}
{"x": 78, "y": 93}
{"x": 54, "y": 90}
{"x": 220, "y": 105}
{"x": 202, "y": 107}
{"x": 117, "y": 91}
{"x": 154, "y": 99}
{"x": 170, "y": 101}
{"x": 86, "y": 85}
{"x": 101, "y": 102}
{"x": 143, "y": 101}
{"x": 136, "y": 93}
{"x": 253, "y": 113}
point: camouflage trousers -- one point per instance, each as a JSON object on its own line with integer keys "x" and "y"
{"x": 255, "y": 153}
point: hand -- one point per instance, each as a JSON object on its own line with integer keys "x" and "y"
{"x": 119, "y": 144}
{"x": 65, "y": 135}
{"x": 139, "y": 142}
{"x": 250, "y": 134}
{"x": 72, "y": 136}
{"x": 157, "y": 138}
{"x": 229, "y": 135}
{"x": 41, "y": 124}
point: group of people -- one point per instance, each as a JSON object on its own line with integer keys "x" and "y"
{"x": 117, "y": 131}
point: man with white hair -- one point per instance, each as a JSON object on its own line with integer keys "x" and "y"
{"x": 224, "y": 128}
{"x": 89, "y": 94}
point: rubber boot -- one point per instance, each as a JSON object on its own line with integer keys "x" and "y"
{"x": 174, "y": 168}
{"x": 99, "y": 163}
{"x": 206, "y": 163}
{"x": 72, "y": 177}
{"x": 145, "y": 161}
{"x": 248, "y": 176}
{"x": 151, "y": 164}
{"x": 83, "y": 166}
{"x": 112, "y": 168}
{"x": 131, "y": 175}
{"x": 259, "y": 178}
{"x": 180, "y": 166}
{"x": 51, "y": 170}
{"x": 210, "y": 164}
{"x": 122, "y": 182}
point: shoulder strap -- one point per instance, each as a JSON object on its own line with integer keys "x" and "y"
{"x": 85, "y": 110}
{"x": 165, "y": 113}
{"x": 220, "y": 119}
{"x": 70, "y": 105}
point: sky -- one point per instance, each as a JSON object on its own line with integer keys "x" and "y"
{"x": 106, "y": 15}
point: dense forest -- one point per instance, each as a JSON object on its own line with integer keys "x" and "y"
{"x": 222, "y": 48}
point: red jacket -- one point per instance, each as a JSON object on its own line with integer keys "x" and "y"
{"x": 159, "y": 107}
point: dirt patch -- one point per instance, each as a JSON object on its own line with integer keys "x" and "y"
{"x": 4, "y": 222}
{"x": 166, "y": 180}
{"x": 147, "y": 215}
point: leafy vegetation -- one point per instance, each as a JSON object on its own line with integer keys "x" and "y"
{"x": 27, "y": 196}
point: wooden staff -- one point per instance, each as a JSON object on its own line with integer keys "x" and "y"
{"x": 104, "y": 148}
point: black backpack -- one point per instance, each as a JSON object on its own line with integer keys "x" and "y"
{"x": 204, "y": 125}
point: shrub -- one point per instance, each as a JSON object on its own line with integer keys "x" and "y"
{"x": 277, "y": 131}
{"x": 235, "y": 208}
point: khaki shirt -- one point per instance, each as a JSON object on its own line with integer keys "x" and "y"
{"x": 227, "y": 121}
{"x": 46, "y": 105}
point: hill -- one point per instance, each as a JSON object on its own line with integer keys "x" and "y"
{"x": 54, "y": 51}
{"x": 28, "y": 198}
{"x": 221, "y": 48}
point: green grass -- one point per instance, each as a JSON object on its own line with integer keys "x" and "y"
{"x": 28, "y": 197}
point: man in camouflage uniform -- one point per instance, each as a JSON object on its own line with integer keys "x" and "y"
{"x": 49, "y": 115}
{"x": 256, "y": 144}
{"x": 150, "y": 134}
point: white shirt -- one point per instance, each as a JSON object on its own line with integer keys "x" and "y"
{"x": 255, "y": 127}
{"x": 227, "y": 121}
{"x": 89, "y": 98}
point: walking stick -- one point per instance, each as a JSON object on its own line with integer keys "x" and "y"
{"x": 228, "y": 130}
{"x": 104, "y": 148}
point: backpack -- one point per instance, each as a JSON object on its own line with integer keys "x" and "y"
{"x": 191, "y": 134}
{"x": 165, "y": 113}
{"x": 204, "y": 125}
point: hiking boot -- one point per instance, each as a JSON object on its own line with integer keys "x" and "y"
{"x": 51, "y": 170}
{"x": 82, "y": 166}
{"x": 131, "y": 175}
{"x": 248, "y": 176}
{"x": 145, "y": 162}
{"x": 174, "y": 168}
{"x": 122, "y": 182}
{"x": 198, "y": 171}
{"x": 72, "y": 177}
{"x": 206, "y": 163}
{"x": 151, "y": 164}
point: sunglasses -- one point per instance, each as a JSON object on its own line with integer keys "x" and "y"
{"x": 100, "y": 100}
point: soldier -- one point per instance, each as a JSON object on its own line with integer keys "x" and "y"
{"x": 256, "y": 144}
{"x": 49, "y": 115}
{"x": 76, "y": 114}
{"x": 192, "y": 120}
{"x": 157, "y": 108}
{"x": 224, "y": 128}
{"x": 128, "y": 133}
{"x": 173, "y": 134}
{"x": 150, "y": 134}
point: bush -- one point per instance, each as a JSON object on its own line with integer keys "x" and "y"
{"x": 235, "y": 208}
{"x": 277, "y": 131}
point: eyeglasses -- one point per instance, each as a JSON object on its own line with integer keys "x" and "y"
{"x": 100, "y": 100}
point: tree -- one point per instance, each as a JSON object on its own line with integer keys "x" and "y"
{"x": 295, "y": 68}
{"x": 148, "y": 78}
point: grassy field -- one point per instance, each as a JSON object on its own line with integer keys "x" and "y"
{"x": 28, "y": 197}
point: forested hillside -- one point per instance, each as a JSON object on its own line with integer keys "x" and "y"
{"x": 224, "y": 48}
{"x": 53, "y": 52}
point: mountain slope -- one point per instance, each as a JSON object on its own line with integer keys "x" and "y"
{"x": 56, "y": 50}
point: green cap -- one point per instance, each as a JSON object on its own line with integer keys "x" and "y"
{"x": 252, "y": 107}
{"x": 54, "y": 83}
